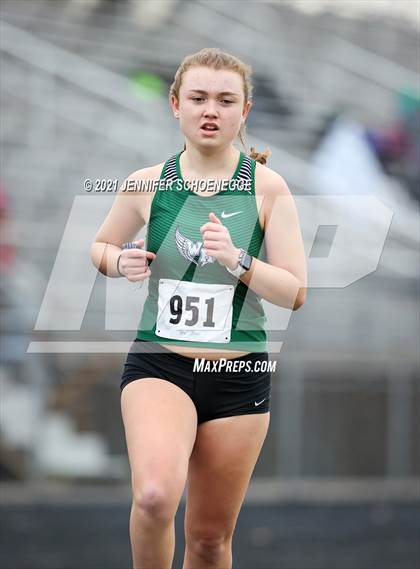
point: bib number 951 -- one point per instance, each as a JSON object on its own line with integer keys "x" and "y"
{"x": 176, "y": 307}
{"x": 200, "y": 312}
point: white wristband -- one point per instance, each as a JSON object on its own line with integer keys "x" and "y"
{"x": 237, "y": 272}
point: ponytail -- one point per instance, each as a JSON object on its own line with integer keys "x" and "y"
{"x": 260, "y": 157}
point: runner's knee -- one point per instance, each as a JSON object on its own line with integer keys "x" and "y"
{"x": 156, "y": 502}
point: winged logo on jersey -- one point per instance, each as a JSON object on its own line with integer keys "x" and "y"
{"x": 192, "y": 250}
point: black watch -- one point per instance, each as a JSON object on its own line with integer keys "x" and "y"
{"x": 245, "y": 260}
{"x": 244, "y": 264}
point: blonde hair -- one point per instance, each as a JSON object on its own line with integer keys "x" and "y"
{"x": 215, "y": 58}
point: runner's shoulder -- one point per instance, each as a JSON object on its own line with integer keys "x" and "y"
{"x": 268, "y": 182}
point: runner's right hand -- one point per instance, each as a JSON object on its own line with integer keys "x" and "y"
{"x": 133, "y": 263}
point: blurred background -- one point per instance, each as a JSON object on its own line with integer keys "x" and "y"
{"x": 336, "y": 98}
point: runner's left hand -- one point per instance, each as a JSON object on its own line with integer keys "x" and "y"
{"x": 218, "y": 243}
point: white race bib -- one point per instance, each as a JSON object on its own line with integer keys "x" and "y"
{"x": 196, "y": 312}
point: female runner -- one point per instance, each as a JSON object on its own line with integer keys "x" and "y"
{"x": 203, "y": 428}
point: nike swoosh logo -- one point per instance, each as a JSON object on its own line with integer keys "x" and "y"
{"x": 256, "y": 404}
{"x": 226, "y": 215}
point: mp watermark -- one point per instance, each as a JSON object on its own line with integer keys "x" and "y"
{"x": 350, "y": 250}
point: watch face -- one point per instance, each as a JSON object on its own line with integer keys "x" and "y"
{"x": 245, "y": 261}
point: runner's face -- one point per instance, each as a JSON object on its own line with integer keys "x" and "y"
{"x": 210, "y": 96}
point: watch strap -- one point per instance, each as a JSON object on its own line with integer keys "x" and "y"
{"x": 240, "y": 269}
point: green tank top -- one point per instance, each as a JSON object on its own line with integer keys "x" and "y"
{"x": 193, "y": 300}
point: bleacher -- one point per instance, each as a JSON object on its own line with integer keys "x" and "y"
{"x": 70, "y": 112}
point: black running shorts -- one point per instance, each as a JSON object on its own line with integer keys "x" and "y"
{"x": 238, "y": 387}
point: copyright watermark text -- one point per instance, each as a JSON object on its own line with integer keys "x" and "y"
{"x": 147, "y": 186}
